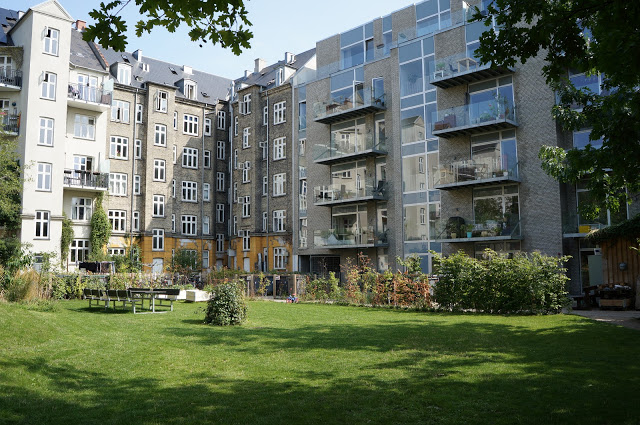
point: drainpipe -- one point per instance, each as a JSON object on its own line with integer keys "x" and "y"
{"x": 295, "y": 188}
{"x": 204, "y": 117}
{"x": 231, "y": 158}
{"x": 133, "y": 172}
{"x": 266, "y": 257}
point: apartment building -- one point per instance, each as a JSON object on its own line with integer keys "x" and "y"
{"x": 264, "y": 112}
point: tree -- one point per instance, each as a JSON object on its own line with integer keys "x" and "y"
{"x": 185, "y": 263}
{"x": 10, "y": 197}
{"x": 65, "y": 239}
{"x": 595, "y": 37}
{"x": 100, "y": 231}
{"x": 221, "y": 22}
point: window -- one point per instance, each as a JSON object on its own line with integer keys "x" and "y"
{"x": 190, "y": 125}
{"x": 124, "y": 74}
{"x": 175, "y": 154}
{"x": 582, "y": 138}
{"x": 279, "y": 220}
{"x": 206, "y": 192}
{"x": 173, "y": 188}
{"x": 265, "y": 220}
{"x": 220, "y": 149}
{"x": 265, "y": 186}
{"x": 189, "y": 158}
{"x": 279, "y": 76}
{"x": 279, "y": 110}
{"x": 222, "y": 118}
{"x": 235, "y": 159}
{"x": 206, "y": 157}
{"x": 220, "y": 242}
{"x": 246, "y": 132}
{"x": 265, "y": 115}
{"x": 246, "y": 166}
{"x": 42, "y": 224}
{"x": 158, "y": 205}
{"x": 303, "y": 196}
{"x": 235, "y": 192}
{"x": 279, "y": 182}
{"x": 81, "y": 209}
{"x": 137, "y": 149}
{"x": 117, "y": 218}
{"x": 160, "y": 135}
{"x": 246, "y": 206}
{"x": 189, "y": 191}
{"x": 205, "y": 225}
{"x": 116, "y": 251}
{"x": 220, "y": 182}
{"x": 136, "y": 184}
{"x": 49, "y": 86}
{"x": 117, "y": 184}
{"x": 79, "y": 250}
{"x": 235, "y": 225}
{"x": 302, "y": 147}
{"x": 279, "y": 148}
{"x": 162, "y": 100}
{"x": 207, "y": 126}
{"x": 159, "y": 170}
{"x": 46, "y": 132}
{"x": 51, "y": 39}
{"x": 139, "y": 113}
{"x": 84, "y": 127}
{"x": 235, "y": 126}
{"x": 157, "y": 240}
{"x": 173, "y": 223}
{"x": 190, "y": 90}
{"x": 119, "y": 147}
{"x": 265, "y": 150}
{"x": 189, "y": 225}
{"x": 120, "y": 111}
{"x": 246, "y": 240}
{"x": 44, "y": 176}
{"x": 245, "y": 105}
{"x": 205, "y": 259}
{"x": 219, "y": 213}
{"x": 136, "y": 221}
{"x": 175, "y": 120}
{"x": 279, "y": 258}
{"x": 302, "y": 115}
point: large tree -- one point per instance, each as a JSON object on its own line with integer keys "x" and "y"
{"x": 601, "y": 39}
{"x": 10, "y": 196}
{"x": 221, "y": 22}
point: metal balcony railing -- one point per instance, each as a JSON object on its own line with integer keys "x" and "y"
{"x": 337, "y": 238}
{"x": 474, "y": 171}
{"x": 10, "y": 123}
{"x": 11, "y": 77}
{"x": 340, "y": 193}
{"x": 480, "y": 114}
{"x": 355, "y": 144}
{"x": 86, "y": 179}
{"x": 459, "y": 229}
{"x": 86, "y": 93}
{"x": 362, "y": 101}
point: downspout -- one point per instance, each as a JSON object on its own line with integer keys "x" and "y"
{"x": 266, "y": 257}
{"x": 204, "y": 117}
{"x": 295, "y": 179}
{"x": 133, "y": 172}
{"x": 231, "y": 158}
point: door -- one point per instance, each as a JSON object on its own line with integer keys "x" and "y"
{"x": 157, "y": 266}
{"x": 247, "y": 265}
{"x": 595, "y": 269}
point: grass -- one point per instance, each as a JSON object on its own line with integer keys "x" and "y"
{"x": 304, "y": 363}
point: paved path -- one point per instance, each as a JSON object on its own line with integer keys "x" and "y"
{"x": 627, "y": 318}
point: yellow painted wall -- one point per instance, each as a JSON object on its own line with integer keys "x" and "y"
{"x": 258, "y": 243}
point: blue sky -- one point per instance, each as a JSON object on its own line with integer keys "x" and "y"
{"x": 278, "y": 26}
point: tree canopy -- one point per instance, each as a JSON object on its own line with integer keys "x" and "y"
{"x": 600, "y": 40}
{"x": 222, "y": 22}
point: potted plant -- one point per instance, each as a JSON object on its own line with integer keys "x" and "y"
{"x": 469, "y": 229}
{"x": 439, "y": 72}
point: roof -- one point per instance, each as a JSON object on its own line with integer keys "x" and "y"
{"x": 169, "y": 74}
{"x": 629, "y": 229}
{"x": 266, "y": 77}
{"x": 8, "y": 19}
{"x": 81, "y": 53}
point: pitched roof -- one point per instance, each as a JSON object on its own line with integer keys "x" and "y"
{"x": 81, "y": 53}
{"x": 169, "y": 74}
{"x": 266, "y": 77}
{"x": 8, "y": 19}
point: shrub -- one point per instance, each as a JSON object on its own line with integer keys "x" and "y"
{"x": 227, "y": 305}
{"x": 23, "y": 285}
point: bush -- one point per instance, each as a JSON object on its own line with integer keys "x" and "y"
{"x": 227, "y": 305}
{"x": 23, "y": 285}
{"x": 526, "y": 283}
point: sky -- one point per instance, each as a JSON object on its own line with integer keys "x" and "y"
{"x": 279, "y": 26}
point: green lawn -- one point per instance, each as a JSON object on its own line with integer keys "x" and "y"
{"x": 316, "y": 364}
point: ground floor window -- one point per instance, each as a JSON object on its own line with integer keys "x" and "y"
{"x": 280, "y": 258}
{"x": 79, "y": 250}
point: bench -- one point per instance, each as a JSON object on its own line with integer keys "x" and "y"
{"x": 166, "y": 295}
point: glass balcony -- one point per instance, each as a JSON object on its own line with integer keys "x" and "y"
{"x": 334, "y": 194}
{"x": 475, "y": 172}
{"x": 86, "y": 97}
{"x": 461, "y": 230}
{"x": 10, "y": 80}
{"x": 574, "y": 227}
{"x": 355, "y": 146}
{"x": 349, "y": 104}
{"x": 365, "y": 237}
{"x": 461, "y": 69}
{"x": 10, "y": 123}
{"x": 86, "y": 180}
{"x": 492, "y": 115}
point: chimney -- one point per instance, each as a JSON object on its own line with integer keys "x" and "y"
{"x": 138, "y": 55}
{"x": 187, "y": 69}
{"x": 246, "y": 73}
{"x": 80, "y": 25}
{"x": 289, "y": 57}
{"x": 20, "y": 14}
{"x": 260, "y": 65}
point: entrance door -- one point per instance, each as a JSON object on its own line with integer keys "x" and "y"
{"x": 157, "y": 266}
{"x": 247, "y": 265}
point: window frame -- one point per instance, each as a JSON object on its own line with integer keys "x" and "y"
{"x": 42, "y": 221}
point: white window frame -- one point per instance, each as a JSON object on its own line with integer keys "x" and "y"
{"x": 220, "y": 149}
{"x": 51, "y": 42}
{"x": 119, "y": 148}
{"x": 159, "y": 170}
{"x": 117, "y": 220}
{"x": 279, "y": 184}
{"x": 48, "y": 89}
{"x": 246, "y": 132}
{"x": 190, "y": 124}
{"x": 189, "y": 224}
{"x": 220, "y": 242}
{"x": 81, "y": 207}
{"x": 120, "y": 111}
{"x": 175, "y": 120}
{"x": 137, "y": 183}
{"x": 205, "y": 258}
{"x": 157, "y": 240}
{"x": 235, "y": 192}
{"x": 279, "y": 148}
{"x": 207, "y": 126}
{"x": 158, "y": 206}
{"x": 42, "y": 224}
{"x": 246, "y": 177}
{"x": 84, "y": 127}
{"x": 189, "y": 191}
{"x": 79, "y": 250}
{"x": 219, "y": 213}
{"x": 160, "y": 135}
{"x": 220, "y": 177}
{"x": 280, "y": 255}
{"x": 137, "y": 149}
{"x": 189, "y": 158}
{"x": 135, "y": 221}
{"x": 222, "y": 120}
{"x": 162, "y": 102}
{"x": 279, "y": 113}
{"x": 245, "y": 105}
{"x": 206, "y": 192}
{"x": 173, "y": 223}
{"x": 265, "y": 221}
{"x": 235, "y": 126}
{"x": 190, "y": 90}
{"x": 47, "y": 126}
{"x": 118, "y": 184}
{"x": 246, "y": 206}
{"x": 280, "y": 221}
{"x": 139, "y": 113}
{"x": 206, "y": 159}
{"x": 44, "y": 176}
{"x": 265, "y": 186}
{"x": 124, "y": 74}
{"x": 265, "y": 115}
{"x": 206, "y": 225}
{"x": 175, "y": 154}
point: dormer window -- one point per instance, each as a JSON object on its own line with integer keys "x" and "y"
{"x": 145, "y": 67}
{"x": 162, "y": 99}
{"x": 124, "y": 74}
{"x": 190, "y": 91}
{"x": 280, "y": 76}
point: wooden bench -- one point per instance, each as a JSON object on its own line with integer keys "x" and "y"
{"x": 166, "y": 295}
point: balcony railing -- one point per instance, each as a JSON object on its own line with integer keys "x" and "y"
{"x": 478, "y": 117}
{"x": 340, "y": 193}
{"x": 460, "y": 230}
{"x": 462, "y": 69}
{"x": 358, "y": 145}
{"x": 11, "y": 77}
{"x": 84, "y": 93}
{"x": 363, "y": 101}
{"x": 474, "y": 172}
{"x": 574, "y": 227}
{"x": 358, "y": 238}
{"x": 10, "y": 123}
{"x": 86, "y": 180}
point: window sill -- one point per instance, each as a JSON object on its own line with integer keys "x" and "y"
{"x": 45, "y": 146}
{"x": 160, "y": 145}
{"x": 83, "y": 138}
{"x": 43, "y": 190}
{"x": 160, "y": 110}
{"x": 279, "y": 195}
{"x": 189, "y": 202}
{"x": 190, "y": 134}
{"x": 279, "y": 159}
{"x": 120, "y": 159}
{"x": 38, "y": 238}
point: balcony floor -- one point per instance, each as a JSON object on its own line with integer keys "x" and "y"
{"x": 329, "y": 203}
{"x": 471, "y": 129}
{"x": 350, "y": 114}
{"x": 4, "y": 87}
{"x": 351, "y": 156}
{"x": 477, "y": 182}
{"x": 85, "y": 104}
{"x": 355, "y": 246}
{"x": 481, "y": 239}
{"x": 470, "y": 76}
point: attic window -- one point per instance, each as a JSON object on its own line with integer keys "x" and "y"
{"x": 126, "y": 59}
{"x": 173, "y": 70}
{"x": 145, "y": 67}
{"x": 205, "y": 94}
{"x": 190, "y": 90}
